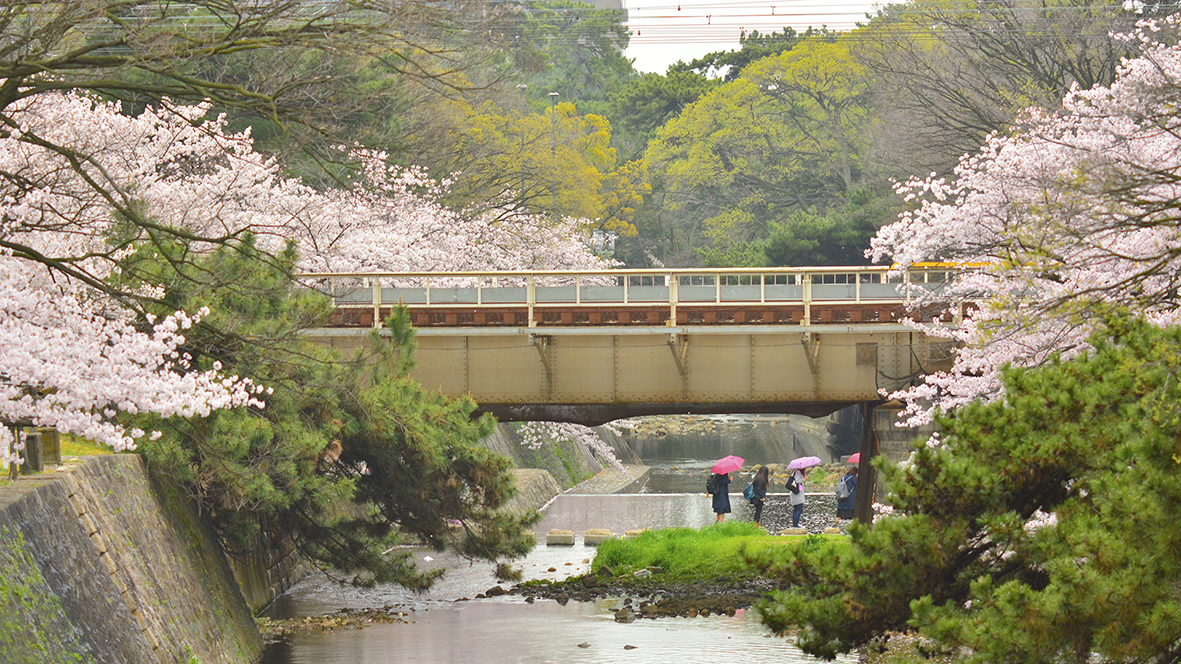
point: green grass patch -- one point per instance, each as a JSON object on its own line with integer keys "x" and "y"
{"x": 76, "y": 447}
{"x": 686, "y": 554}
{"x": 83, "y": 447}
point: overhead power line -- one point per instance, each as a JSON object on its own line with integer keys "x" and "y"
{"x": 724, "y": 22}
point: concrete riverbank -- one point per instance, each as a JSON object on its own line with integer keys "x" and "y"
{"x": 100, "y": 564}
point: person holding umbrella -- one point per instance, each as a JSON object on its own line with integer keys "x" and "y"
{"x": 847, "y": 502}
{"x": 719, "y": 484}
{"x": 795, "y": 485}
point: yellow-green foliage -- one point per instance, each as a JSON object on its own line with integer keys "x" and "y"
{"x": 687, "y": 553}
{"x": 83, "y": 447}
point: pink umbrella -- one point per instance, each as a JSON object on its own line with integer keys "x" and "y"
{"x": 856, "y": 458}
{"x": 803, "y": 462}
{"x": 728, "y": 464}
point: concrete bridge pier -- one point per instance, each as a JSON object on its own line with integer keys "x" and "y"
{"x": 881, "y": 435}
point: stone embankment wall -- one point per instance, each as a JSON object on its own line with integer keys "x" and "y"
{"x": 756, "y": 438}
{"x": 266, "y": 571}
{"x": 100, "y": 564}
{"x": 535, "y": 488}
{"x": 568, "y": 461}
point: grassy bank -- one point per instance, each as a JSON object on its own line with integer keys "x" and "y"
{"x": 71, "y": 446}
{"x": 688, "y": 554}
{"x": 678, "y": 571}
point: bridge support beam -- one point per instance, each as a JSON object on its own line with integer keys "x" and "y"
{"x": 592, "y": 375}
{"x": 595, "y": 414}
{"x": 542, "y": 343}
{"x": 679, "y": 344}
{"x": 811, "y": 343}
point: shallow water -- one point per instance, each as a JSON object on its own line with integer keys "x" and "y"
{"x": 503, "y": 631}
{"x": 445, "y": 625}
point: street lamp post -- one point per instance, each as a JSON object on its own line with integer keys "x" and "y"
{"x": 521, "y": 87}
{"x": 553, "y": 148}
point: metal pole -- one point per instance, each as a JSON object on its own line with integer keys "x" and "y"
{"x": 553, "y": 148}
{"x": 521, "y": 87}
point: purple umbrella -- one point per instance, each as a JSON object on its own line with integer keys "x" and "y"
{"x": 729, "y": 464}
{"x": 803, "y": 462}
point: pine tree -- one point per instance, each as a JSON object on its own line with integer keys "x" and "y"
{"x": 1039, "y": 528}
{"x": 349, "y": 457}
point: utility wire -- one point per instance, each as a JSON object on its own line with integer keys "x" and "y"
{"x": 724, "y": 22}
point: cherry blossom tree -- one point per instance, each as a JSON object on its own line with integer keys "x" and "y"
{"x": 66, "y": 366}
{"x": 1066, "y": 216}
{"x": 112, "y": 216}
{"x": 72, "y": 172}
{"x": 72, "y": 360}
{"x": 187, "y": 173}
{"x": 537, "y": 434}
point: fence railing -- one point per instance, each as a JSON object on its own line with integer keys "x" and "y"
{"x": 666, "y": 289}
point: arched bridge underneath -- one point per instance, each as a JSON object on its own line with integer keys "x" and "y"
{"x": 591, "y": 347}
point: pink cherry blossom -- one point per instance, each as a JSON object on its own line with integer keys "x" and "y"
{"x": 1067, "y": 214}
{"x": 73, "y": 165}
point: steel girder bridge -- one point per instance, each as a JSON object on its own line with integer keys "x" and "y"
{"x": 595, "y": 346}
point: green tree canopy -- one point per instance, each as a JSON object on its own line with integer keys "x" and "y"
{"x": 574, "y": 49}
{"x": 646, "y": 103}
{"x": 752, "y": 46}
{"x": 807, "y": 238}
{"x": 273, "y": 60}
{"x": 555, "y": 162}
{"x": 787, "y": 135}
{"x": 1040, "y": 528}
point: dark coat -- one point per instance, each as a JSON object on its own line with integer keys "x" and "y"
{"x": 850, "y": 502}
{"x": 722, "y": 494}
{"x": 760, "y": 489}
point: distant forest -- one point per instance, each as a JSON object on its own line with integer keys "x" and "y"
{"x": 783, "y": 152}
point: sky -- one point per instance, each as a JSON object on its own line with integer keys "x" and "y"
{"x": 665, "y": 31}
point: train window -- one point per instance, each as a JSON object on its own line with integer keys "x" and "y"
{"x": 739, "y": 280}
{"x": 834, "y": 279}
{"x": 696, "y": 280}
{"x": 871, "y": 277}
{"x": 645, "y": 280}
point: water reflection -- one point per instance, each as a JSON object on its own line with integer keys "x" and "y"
{"x": 500, "y": 632}
{"x": 444, "y": 626}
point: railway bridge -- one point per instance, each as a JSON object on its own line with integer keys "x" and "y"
{"x": 595, "y": 346}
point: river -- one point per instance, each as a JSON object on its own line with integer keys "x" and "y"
{"x": 447, "y": 625}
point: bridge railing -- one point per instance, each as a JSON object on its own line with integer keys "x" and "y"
{"x": 662, "y": 296}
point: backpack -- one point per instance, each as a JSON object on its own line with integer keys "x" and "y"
{"x": 711, "y": 485}
{"x": 749, "y": 491}
{"x": 842, "y": 489}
